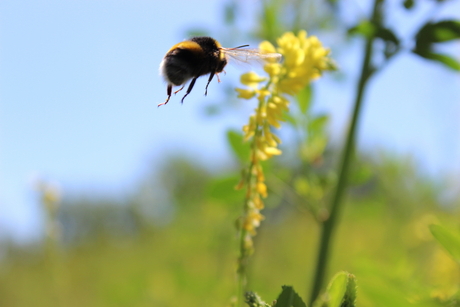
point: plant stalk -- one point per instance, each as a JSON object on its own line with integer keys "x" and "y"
{"x": 328, "y": 227}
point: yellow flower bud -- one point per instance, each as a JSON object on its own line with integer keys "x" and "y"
{"x": 267, "y": 47}
{"x": 273, "y": 151}
{"x": 273, "y": 121}
{"x": 261, "y": 155}
{"x": 245, "y": 93}
{"x": 262, "y": 189}
{"x": 273, "y": 69}
{"x": 258, "y": 203}
{"x": 269, "y": 137}
{"x": 263, "y": 94}
{"x": 251, "y": 79}
{"x": 302, "y": 35}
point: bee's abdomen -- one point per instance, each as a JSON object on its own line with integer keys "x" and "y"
{"x": 179, "y": 66}
{"x": 175, "y": 72}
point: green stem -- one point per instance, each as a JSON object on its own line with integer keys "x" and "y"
{"x": 336, "y": 201}
{"x": 241, "y": 271}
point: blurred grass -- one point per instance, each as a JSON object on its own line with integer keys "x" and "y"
{"x": 384, "y": 240}
{"x": 192, "y": 258}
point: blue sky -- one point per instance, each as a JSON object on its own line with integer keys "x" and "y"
{"x": 79, "y": 89}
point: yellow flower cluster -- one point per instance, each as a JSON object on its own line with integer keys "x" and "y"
{"x": 304, "y": 59}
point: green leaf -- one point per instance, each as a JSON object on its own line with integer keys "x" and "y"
{"x": 438, "y": 32}
{"x": 240, "y": 148}
{"x": 364, "y": 28}
{"x": 350, "y": 296}
{"x": 390, "y": 39}
{"x": 289, "y": 298}
{"x": 223, "y": 189}
{"x": 253, "y": 300}
{"x": 447, "y": 30}
{"x": 341, "y": 292}
{"x": 387, "y": 35}
{"x": 337, "y": 289}
{"x": 318, "y": 124}
{"x": 304, "y": 99}
{"x": 441, "y": 58}
{"x": 448, "y": 239}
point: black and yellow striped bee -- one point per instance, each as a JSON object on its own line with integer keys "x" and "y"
{"x": 200, "y": 56}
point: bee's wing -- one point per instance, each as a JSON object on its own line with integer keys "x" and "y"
{"x": 251, "y": 56}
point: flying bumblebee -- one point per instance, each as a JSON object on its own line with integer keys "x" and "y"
{"x": 200, "y": 56}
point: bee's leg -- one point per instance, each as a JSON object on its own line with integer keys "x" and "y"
{"x": 218, "y": 79}
{"x": 169, "y": 92}
{"x": 209, "y": 81}
{"x": 179, "y": 89}
{"x": 190, "y": 87}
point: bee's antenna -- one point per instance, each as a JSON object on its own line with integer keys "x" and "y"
{"x": 242, "y": 46}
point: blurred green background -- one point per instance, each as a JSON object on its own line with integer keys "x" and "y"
{"x": 112, "y": 254}
{"x": 169, "y": 239}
